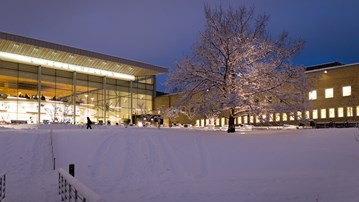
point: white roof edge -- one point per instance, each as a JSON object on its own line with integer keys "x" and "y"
{"x": 329, "y": 68}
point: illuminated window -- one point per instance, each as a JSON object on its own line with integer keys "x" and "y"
{"x": 299, "y": 115}
{"x": 323, "y": 113}
{"x": 357, "y": 110}
{"x": 313, "y": 95}
{"x": 291, "y": 116}
{"x": 347, "y": 90}
{"x": 307, "y": 115}
{"x": 315, "y": 114}
{"x": 284, "y": 117}
{"x": 340, "y": 112}
{"x": 251, "y": 119}
{"x": 349, "y": 111}
{"x": 329, "y": 93}
{"x": 245, "y": 119}
{"x": 239, "y": 120}
{"x": 277, "y": 117}
{"x": 270, "y": 117}
{"x": 257, "y": 119}
{"x": 331, "y": 113}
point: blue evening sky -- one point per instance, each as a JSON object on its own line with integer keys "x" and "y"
{"x": 162, "y": 32}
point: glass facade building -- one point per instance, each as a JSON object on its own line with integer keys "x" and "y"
{"x": 42, "y": 82}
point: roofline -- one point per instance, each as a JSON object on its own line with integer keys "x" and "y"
{"x": 168, "y": 94}
{"x": 69, "y": 49}
{"x": 330, "y": 68}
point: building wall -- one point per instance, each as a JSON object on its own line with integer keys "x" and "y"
{"x": 163, "y": 103}
{"x": 339, "y": 108}
{"x": 102, "y": 99}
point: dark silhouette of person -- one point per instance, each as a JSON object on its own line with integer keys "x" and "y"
{"x": 89, "y": 122}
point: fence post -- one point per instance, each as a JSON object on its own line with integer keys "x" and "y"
{"x": 75, "y": 194}
{"x": 70, "y": 189}
{"x": 52, "y": 151}
{"x": 59, "y": 183}
{"x": 74, "y": 190}
{"x": 2, "y": 186}
{"x": 72, "y": 170}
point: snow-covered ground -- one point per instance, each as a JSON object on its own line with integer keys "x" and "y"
{"x": 183, "y": 165}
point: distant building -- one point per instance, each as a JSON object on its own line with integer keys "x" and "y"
{"x": 334, "y": 99}
{"x": 43, "y": 82}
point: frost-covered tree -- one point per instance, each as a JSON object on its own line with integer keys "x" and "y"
{"x": 172, "y": 113}
{"x": 235, "y": 59}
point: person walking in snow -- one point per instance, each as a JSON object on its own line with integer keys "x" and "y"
{"x": 89, "y": 122}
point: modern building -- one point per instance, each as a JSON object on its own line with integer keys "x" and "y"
{"x": 334, "y": 99}
{"x": 43, "y": 82}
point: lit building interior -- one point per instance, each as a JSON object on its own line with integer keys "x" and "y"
{"x": 70, "y": 84}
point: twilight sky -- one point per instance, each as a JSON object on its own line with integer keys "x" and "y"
{"x": 162, "y": 32}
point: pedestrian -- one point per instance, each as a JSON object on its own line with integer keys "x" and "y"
{"x": 89, "y": 122}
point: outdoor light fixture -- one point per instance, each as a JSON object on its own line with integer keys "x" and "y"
{"x": 325, "y": 71}
{"x": 92, "y": 99}
{"x": 86, "y": 96}
{"x": 64, "y": 66}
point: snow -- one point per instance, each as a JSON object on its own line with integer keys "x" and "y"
{"x": 175, "y": 165}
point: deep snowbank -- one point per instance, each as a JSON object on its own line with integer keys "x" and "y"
{"x": 147, "y": 164}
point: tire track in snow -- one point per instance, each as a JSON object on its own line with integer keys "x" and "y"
{"x": 169, "y": 156}
{"x": 100, "y": 156}
{"x": 129, "y": 163}
{"x": 140, "y": 175}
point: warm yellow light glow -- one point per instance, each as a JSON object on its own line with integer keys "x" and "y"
{"x": 340, "y": 112}
{"x": 329, "y": 93}
{"x": 347, "y": 90}
{"x": 331, "y": 113}
{"x": 313, "y": 95}
{"x": 16, "y": 98}
{"x": 112, "y": 107}
{"x": 90, "y": 105}
{"x": 64, "y": 66}
{"x": 54, "y": 101}
{"x": 315, "y": 114}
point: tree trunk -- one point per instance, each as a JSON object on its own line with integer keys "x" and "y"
{"x": 231, "y": 127}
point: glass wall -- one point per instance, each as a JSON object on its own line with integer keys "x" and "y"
{"x": 104, "y": 100}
